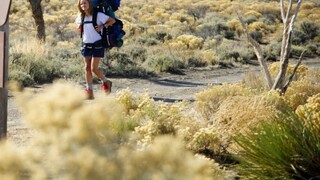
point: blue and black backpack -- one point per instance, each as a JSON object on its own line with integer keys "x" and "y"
{"x": 113, "y": 35}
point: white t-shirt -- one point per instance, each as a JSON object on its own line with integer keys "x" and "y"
{"x": 90, "y": 35}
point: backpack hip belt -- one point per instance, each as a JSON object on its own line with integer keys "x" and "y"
{"x": 98, "y": 43}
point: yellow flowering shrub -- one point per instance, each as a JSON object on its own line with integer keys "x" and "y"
{"x": 209, "y": 100}
{"x": 235, "y": 25}
{"x": 259, "y": 26}
{"x": 301, "y": 71}
{"x": 187, "y": 42}
{"x": 299, "y": 91}
{"x": 206, "y": 139}
{"x": 253, "y": 13}
{"x": 209, "y": 57}
{"x": 310, "y": 111}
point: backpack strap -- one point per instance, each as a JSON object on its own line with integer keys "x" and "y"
{"x": 81, "y": 28}
{"x": 93, "y": 22}
{"x": 94, "y": 17}
{"x": 82, "y": 23}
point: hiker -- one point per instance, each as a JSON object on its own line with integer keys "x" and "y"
{"x": 92, "y": 49}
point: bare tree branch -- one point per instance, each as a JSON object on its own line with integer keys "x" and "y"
{"x": 259, "y": 53}
{"x": 288, "y": 10}
{"x": 284, "y": 89}
{"x": 282, "y": 10}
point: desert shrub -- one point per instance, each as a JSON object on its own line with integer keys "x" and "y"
{"x": 259, "y": 26}
{"x": 299, "y": 91}
{"x": 311, "y": 50}
{"x": 272, "y": 50}
{"x": 208, "y": 101}
{"x": 299, "y": 38}
{"x": 126, "y": 62}
{"x": 13, "y": 164}
{"x": 234, "y": 52}
{"x": 301, "y": 71}
{"x": 72, "y": 130}
{"x": 241, "y": 113}
{"x": 310, "y": 29}
{"x": 165, "y": 63}
{"x": 255, "y": 80}
{"x": 310, "y": 111}
{"x": 283, "y": 147}
{"x": 194, "y": 62}
{"x": 160, "y": 36}
{"x": 147, "y": 41}
{"x": 43, "y": 70}
{"x": 165, "y": 160}
{"x": 235, "y": 25}
{"x": 207, "y": 141}
{"x": 152, "y": 118}
{"x": 206, "y": 31}
{"x": 250, "y": 19}
{"x": 40, "y": 69}
{"x": 137, "y": 54}
{"x": 253, "y": 13}
{"x": 131, "y": 101}
{"x": 256, "y": 35}
{"x": 228, "y": 34}
{"x": 198, "y": 11}
{"x": 157, "y": 119}
{"x": 23, "y": 78}
{"x": 187, "y": 42}
{"x": 270, "y": 19}
{"x": 233, "y": 55}
{"x": 296, "y": 51}
{"x": 267, "y": 8}
{"x": 210, "y": 30}
{"x": 72, "y": 69}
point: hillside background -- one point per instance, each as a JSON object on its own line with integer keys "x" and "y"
{"x": 161, "y": 36}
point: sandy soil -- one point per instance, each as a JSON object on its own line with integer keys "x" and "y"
{"x": 166, "y": 87}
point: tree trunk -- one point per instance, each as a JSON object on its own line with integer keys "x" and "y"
{"x": 286, "y": 42}
{"x": 38, "y": 18}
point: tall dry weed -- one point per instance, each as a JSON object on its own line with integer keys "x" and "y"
{"x": 29, "y": 46}
{"x": 239, "y": 114}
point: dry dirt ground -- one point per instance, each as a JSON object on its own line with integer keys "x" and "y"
{"x": 165, "y": 87}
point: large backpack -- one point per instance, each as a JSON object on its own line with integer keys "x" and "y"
{"x": 111, "y": 36}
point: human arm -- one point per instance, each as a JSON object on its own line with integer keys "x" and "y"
{"x": 106, "y": 22}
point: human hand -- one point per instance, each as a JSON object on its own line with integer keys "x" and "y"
{"x": 99, "y": 28}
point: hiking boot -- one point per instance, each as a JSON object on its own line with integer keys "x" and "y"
{"x": 107, "y": 86}
{"x": 89, "y": 93}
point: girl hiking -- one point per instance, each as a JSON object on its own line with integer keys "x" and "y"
{"x": 92, "y": 49}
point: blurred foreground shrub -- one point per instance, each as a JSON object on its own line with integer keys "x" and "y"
{"x": 76, "y": 139}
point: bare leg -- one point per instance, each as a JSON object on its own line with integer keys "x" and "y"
{"x": 95, "y": 68}
{"x": 88, "y": 72}
{"x": 106, "y": 85}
